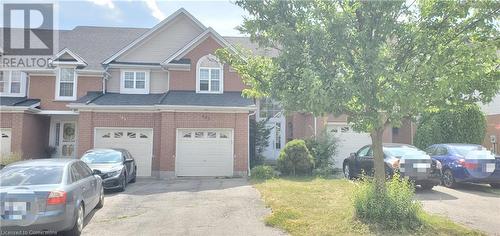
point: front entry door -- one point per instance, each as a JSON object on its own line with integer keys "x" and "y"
{"x": 66, "y": 139}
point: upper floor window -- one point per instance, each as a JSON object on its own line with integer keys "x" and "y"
{"x": 135, "y": 82}
{"x": 269, "y": 108}
{"x": 209, "y": 75}
{"x": 66, "y": 84}
{"x": 12, "y": 83}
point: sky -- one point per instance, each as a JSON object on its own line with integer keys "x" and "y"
{"x": 222, "y": 15}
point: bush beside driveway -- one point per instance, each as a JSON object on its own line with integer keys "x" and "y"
{"x": 182, "y": 207}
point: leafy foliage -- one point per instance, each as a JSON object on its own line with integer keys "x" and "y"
{"x": 295, "y": 159}
{"x": 393, "y": 209}
{"x": 457, "y": 125}
{"x": 262, "y": 172}
{"x": 322, "y": 147}
{"x": 375, "y": 61}
{"x": 259, "y": 136}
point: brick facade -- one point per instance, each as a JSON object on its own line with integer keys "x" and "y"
{"x": 44, "y": 88}
{"x": 29, "y": 133}
{"x": 492, "y": 128}
{"x": 164, "y": 125}
{"x": 186, "y": 80}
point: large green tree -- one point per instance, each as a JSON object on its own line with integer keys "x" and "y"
{"x": 376, "y": 61}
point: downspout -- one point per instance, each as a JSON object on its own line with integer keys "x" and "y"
{"x": 105, "y": 77}
{"x": 248, "y": 144}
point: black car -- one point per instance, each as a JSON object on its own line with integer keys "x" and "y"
{"x": 116, "y": 167}
{"x": 408, "y": 160}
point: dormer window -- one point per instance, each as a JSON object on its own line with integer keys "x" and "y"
{"x": 135, "y": 82}
{"x": 209, "y": 75}
{"x": 66, "y": 84}
{"x": 12, "y": 83}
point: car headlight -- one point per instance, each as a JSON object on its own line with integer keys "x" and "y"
{"x": 113, "y": 173}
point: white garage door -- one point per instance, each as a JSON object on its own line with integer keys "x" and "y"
{"x": 204, "y": 152}
{"x": 349, "y": 141}
{"x": 5, "y": 141}
{"x": 138, "y": 141}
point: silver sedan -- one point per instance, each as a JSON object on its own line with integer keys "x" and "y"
{"x": 48, "y": 196}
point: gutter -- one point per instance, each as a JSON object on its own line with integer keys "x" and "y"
{"x": 248, "y": 144}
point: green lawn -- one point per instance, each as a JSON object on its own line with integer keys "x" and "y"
{"x": 324, "y": 207}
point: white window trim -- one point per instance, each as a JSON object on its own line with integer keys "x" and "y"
{"x": 221, "y": 80}
{"x": 58, "y": 85}
{"x": 124, "y": 90}
{"x": 8, "y": 83}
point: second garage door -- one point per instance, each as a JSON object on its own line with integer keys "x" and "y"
{"x": 349, "y": 141}
{"x": 204, "y": 152}
{"x": 138, "y": 141}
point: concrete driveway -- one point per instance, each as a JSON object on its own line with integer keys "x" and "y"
{"x": 182, "y": 207}
{"x": 476, "y": 206}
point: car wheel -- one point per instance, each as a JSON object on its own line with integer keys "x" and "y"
{"x": 78, "y": 227}
{"x": 135, "y": 176}
{"x": 495, "y": 185}
{"x": 124, "y": 183}
{"x": 100, "y": 204}
{"x": 347, "y": 172}
{"x": 427, "y": 186}
{"x": 448, "y": 179}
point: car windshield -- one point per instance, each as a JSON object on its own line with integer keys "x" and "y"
{"x": 102, "y": 157}
{"x": 31, "y": 175}
{"x": 403, "y": 151}
{"x": 473, "y": 152}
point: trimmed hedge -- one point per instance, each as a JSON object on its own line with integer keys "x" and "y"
{"x": 295, "y": 159}
{"x": 459, "y": 125}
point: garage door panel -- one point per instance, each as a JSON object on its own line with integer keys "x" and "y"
{"x": 138, "y": 141}
{"x": 349, "y": 141}
{"x": 5, "y": 141}
{"x": 204, "y": 152}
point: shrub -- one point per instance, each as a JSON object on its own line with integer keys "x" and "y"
{"x": 262, "y": 172}
{"x": 259, "y": 136}
{"x": 12, "y": 157}
{"x": 458, "y": 125}
{"x": 295, "y": 159}
{"x": 322, "y": 148}
{"x": 394, "y": 208}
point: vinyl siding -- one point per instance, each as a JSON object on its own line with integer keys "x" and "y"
{"x": 158, "y": 81}
{"x": 163, "y": 43}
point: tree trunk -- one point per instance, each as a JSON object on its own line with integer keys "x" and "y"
{"x": 378, "y": 157}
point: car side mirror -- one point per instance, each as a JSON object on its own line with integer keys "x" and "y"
{"x": 96, "y": 172}
{"x": 353, "y": 154}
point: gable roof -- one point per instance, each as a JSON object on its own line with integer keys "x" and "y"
{"x": 195, "y": 42}
{"x": 154, "y": 29}
{"x": 77, "y": 59}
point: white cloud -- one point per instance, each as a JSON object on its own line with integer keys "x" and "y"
{"x": 155, "y": 10}
{"x": 104, "y": 3}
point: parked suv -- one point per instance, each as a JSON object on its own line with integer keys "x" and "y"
{"x": 408, "y": 160}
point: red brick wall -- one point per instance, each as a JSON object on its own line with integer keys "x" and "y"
{"x": 43, "y": 88}
{"x": 164, "y": 126}
{"x": 405, "y": 132}
{"x": 186, "y": 80}
{"x": 303, "y": 125}
{"x": 35, "y": 135}
{"x": 492, "y": 128}
{"x": 30, "y": 133}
